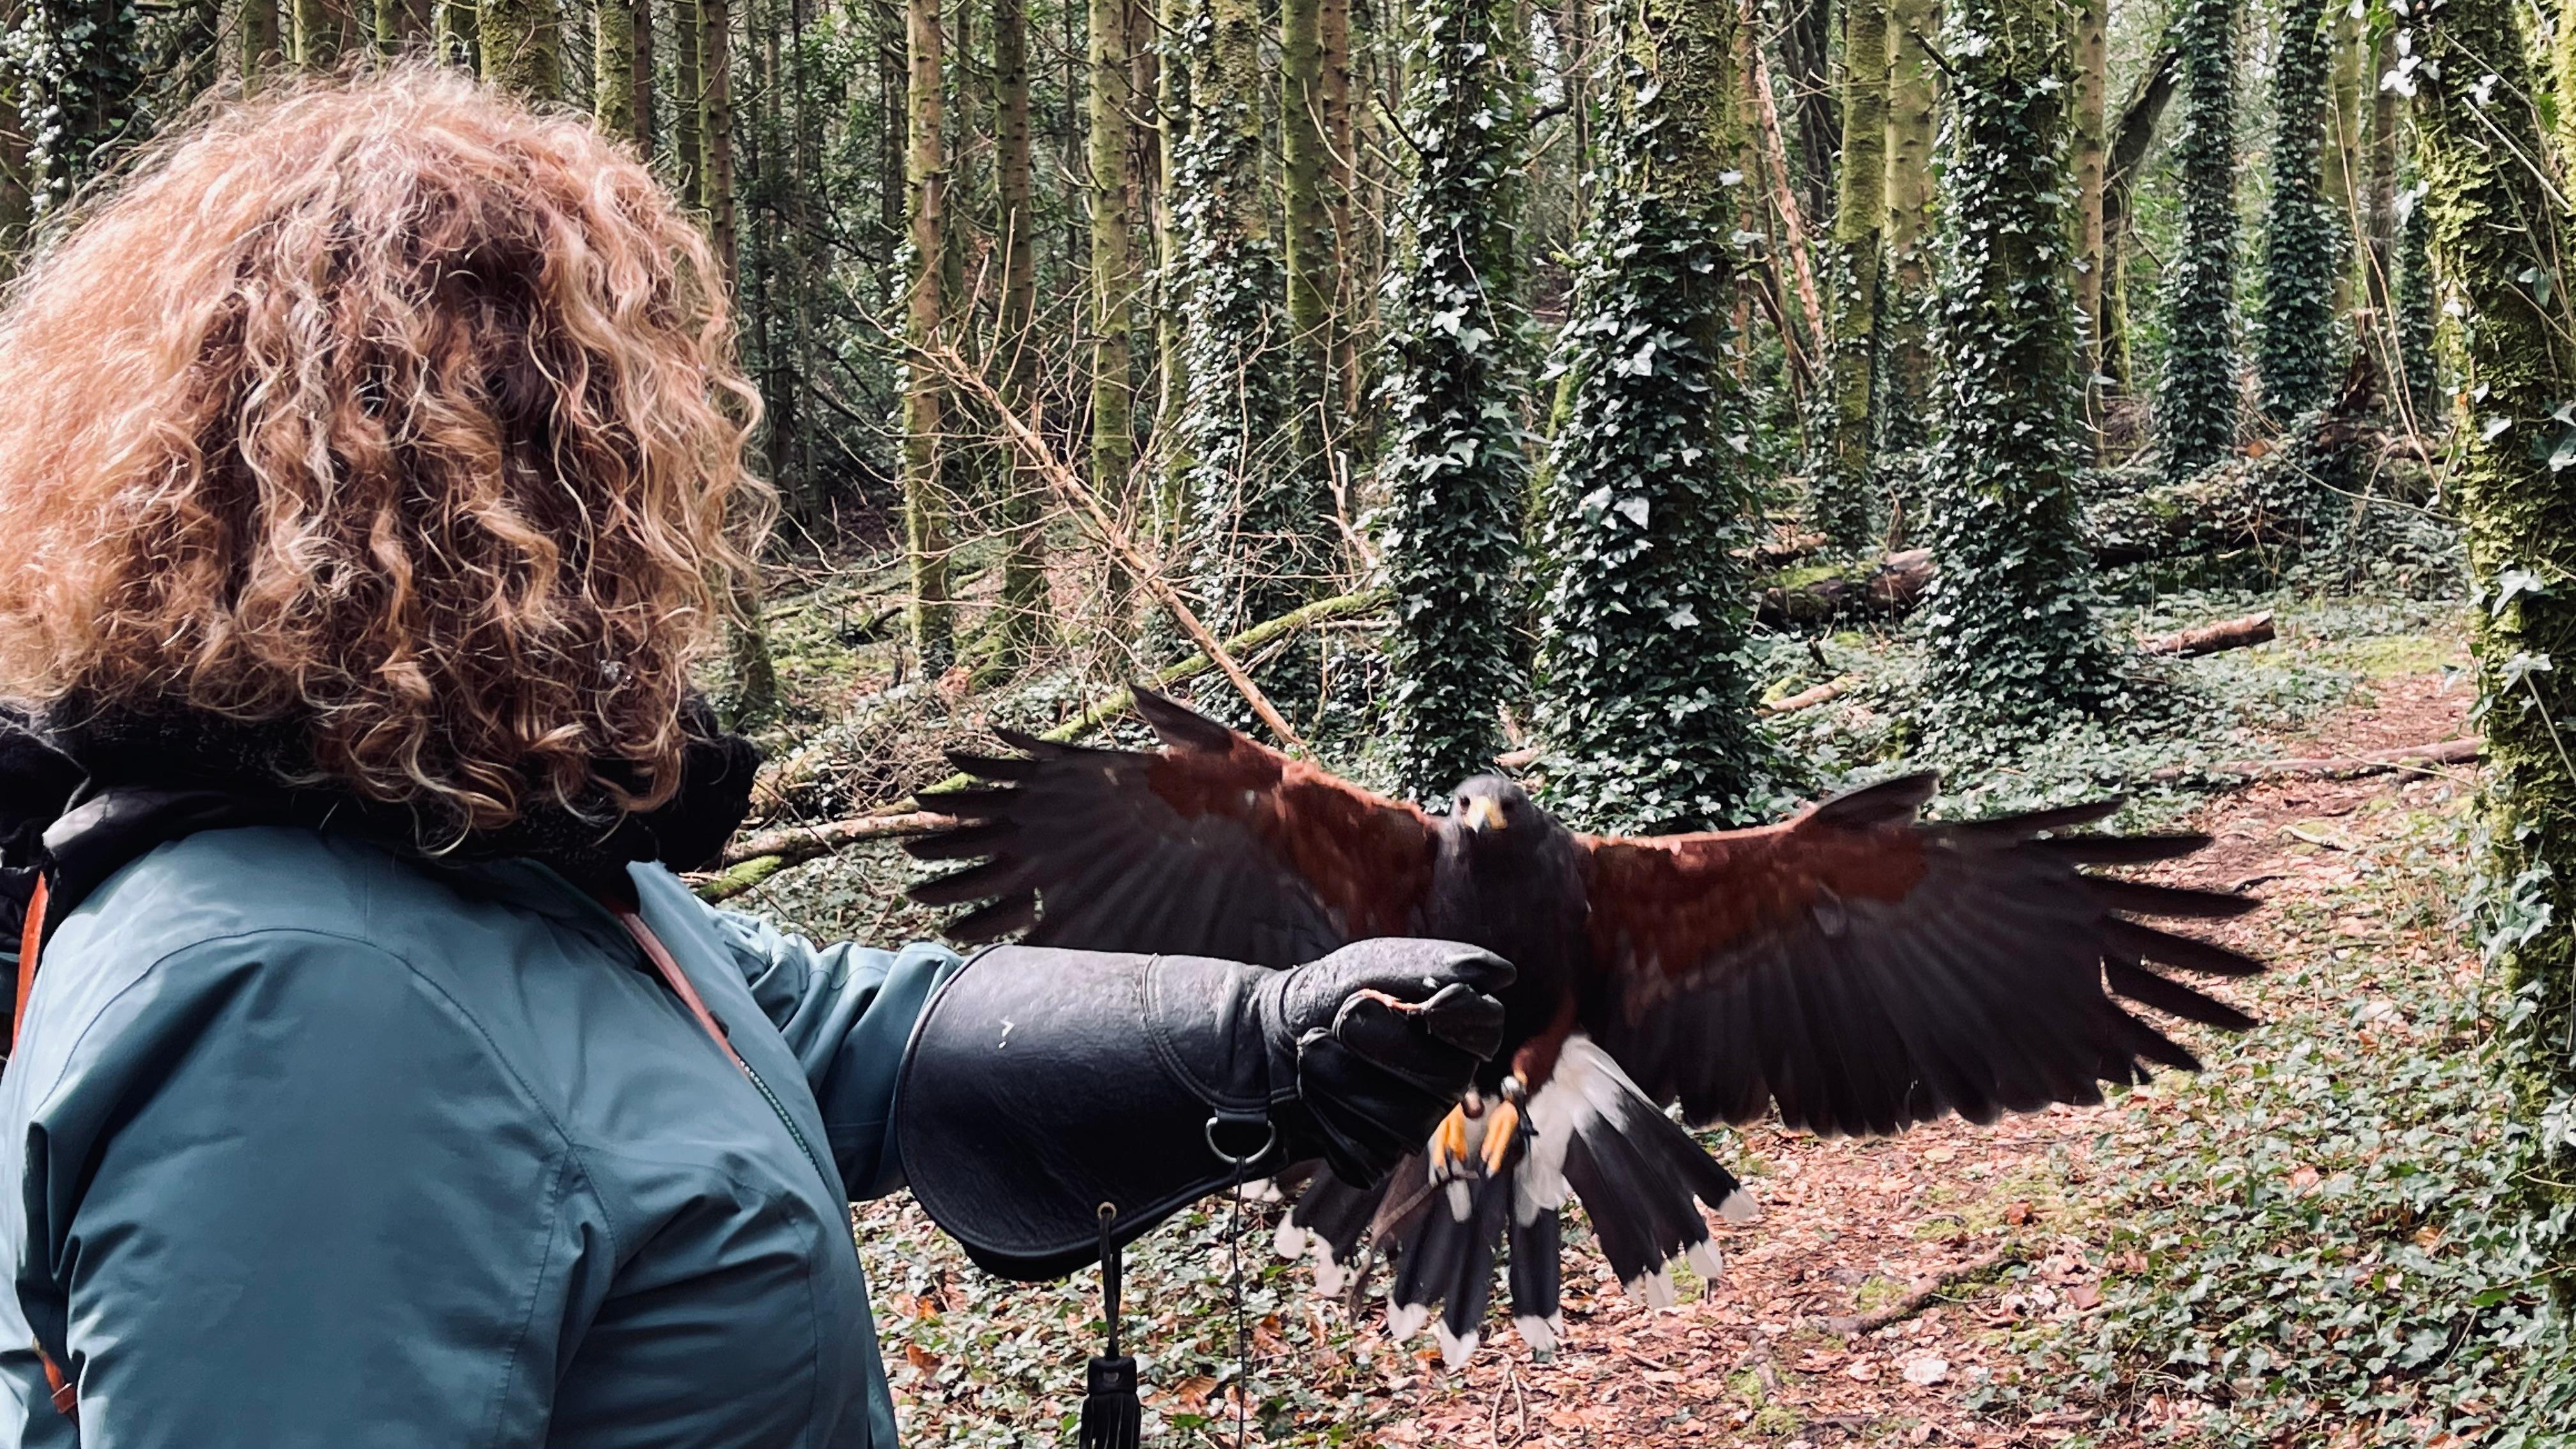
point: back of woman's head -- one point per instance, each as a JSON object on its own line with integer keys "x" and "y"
{"x": 393, "y": 410}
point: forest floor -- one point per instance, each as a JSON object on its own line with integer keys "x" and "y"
{"x": 2198, "y": 1261}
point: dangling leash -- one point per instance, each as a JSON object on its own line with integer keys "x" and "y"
{"x": 1113, "y": 1417}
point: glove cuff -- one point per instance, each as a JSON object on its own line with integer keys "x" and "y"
{"x": 1043, "y": 1084}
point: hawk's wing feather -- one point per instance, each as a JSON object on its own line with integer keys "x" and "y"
{"x": 1212, "y": 846}
{"x": 1865, "y": 970}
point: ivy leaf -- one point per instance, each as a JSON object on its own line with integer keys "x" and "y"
{"x": 2512, "y": 583}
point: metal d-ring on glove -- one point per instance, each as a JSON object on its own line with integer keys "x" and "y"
{"x": 1042, "y": 1083}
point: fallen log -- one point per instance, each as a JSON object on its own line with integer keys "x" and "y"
{"x": 795, "y": 843}
{"x": 1889, "y": 588}
{"x": 2212, "y": 638}
{"x": 1807, "y": 698}
{"x": 2338, "y": 767}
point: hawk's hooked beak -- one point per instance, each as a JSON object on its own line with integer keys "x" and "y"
{"x": 1483, "y": 813}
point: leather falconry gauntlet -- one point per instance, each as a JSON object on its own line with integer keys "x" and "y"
{"x": 1043, "y": 1085}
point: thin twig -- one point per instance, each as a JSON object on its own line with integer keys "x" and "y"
{"x": 1086, "y": 506}
{"x": 1920, "y": 1294}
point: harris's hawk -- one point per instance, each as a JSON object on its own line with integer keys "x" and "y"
{"x": 1855, "y": 967}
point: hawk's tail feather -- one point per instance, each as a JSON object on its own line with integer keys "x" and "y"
{"x": 1329, "y": 1226}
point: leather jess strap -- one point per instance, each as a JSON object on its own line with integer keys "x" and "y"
{"x": 31, "y": 940}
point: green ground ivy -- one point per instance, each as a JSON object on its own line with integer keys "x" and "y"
{"x": 1645, "y": 699}
{"x": 2015, "y": 643}
{"x": 2302, "y": 239}
{"x": 2196, "y": 398}
{"x": 2499, "y": 233}
{"x": 1455, "y": 475}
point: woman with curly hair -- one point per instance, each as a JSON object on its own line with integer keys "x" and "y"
{"x": 370, "y": 478}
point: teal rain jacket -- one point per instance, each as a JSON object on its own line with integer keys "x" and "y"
{"x": 320, "y": 1148}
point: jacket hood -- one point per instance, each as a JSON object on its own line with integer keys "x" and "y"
{"x": 83, "y": 790}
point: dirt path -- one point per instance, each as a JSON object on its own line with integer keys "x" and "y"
{"x": 1851, "y": 1226}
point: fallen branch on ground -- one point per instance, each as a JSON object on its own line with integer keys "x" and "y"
{"x": 1807, "y": 698}
{"x": 2211, "y": 638}
{"x": 1922, "y": 1293}
{"x": 2412, "y": 757}
{"x": 795, "y": 843}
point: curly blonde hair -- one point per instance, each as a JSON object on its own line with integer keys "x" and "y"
{"x": 391, "y": 408}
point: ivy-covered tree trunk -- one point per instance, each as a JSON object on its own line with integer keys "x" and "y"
{"x": 1645, "y": 700}
{"x": 2015, "y": 645}
{"x": 522, "y": 45}
{"x": 925, "y": 526}
{"x": 2343, "y": 180}
{"x": 1913, "y": 104}
{"x": 1456, "y": 481}
{"x": 2196, "y": 400}
{"x": 2379, "y": 213}
{"x": 1844, "y": 485}
{"x": 1255, "y": 522}
{"x": 17, "y": 176}
{"x": 77, "y": 90}
{"x": 2501, "y": 234}
{"x": 1021, "y": 609}
{"x": 2418, "y": 375}
{"x": 2302, "y": 254}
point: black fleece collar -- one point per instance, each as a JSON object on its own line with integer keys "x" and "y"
{"x": 83, "y": 791}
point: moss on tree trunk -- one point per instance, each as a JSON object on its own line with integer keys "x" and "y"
{"x": 2501, "y": 237}
{"x": 1844, "y": 485}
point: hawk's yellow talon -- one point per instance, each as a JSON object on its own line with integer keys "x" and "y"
{"x": 1449, "y": 1144}
{"x": 1504, "y": 1125}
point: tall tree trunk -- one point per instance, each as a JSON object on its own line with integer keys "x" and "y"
{"x": 1806, "y": 70}
{"x": 1022, "y": 606}
{"x": 1347, "y": 369}
{"x": 1308, "y": 240}
{"x": 2379, "y": 214}
{"x": 1913, "y": 103}
{"x": 2196, "y": 400}
{"x": 262, "y": 50}
{"x": 1456, "y": 480}
{"x": 1171, "y": 269}
{"x": 642, "y": 78}
{"x": 1642, "y": 688}
{"x": 1844, "y": 487}
{"x": 522, "y": 46}
{"x": 689, "y": 86}
{"x": 1113, "y": 268}
{"x": 17, "y": 179}
{"x": 925, "y": 316}
{"x": 2302, "y": 254}
{"x": 2015, "y": 642}
{"x": 2497, "y": 220}
{"x": 612, "y": 94}
{"x": 76, "y": 108}
{"x": 324, "y": 31}
{"x": 715, "y": 124}
{"x": 402, "y": 26}
{"x": 1258, "y": 528}
{"x": 2092, "y": 151}
{"x": 2343, "y": 164}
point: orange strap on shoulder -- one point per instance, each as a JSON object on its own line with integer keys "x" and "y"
{"x": 677, "y": 980}
{"x": 31, "y": 941}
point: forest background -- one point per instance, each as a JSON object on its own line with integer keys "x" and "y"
{"x": 1692, "y": 404}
